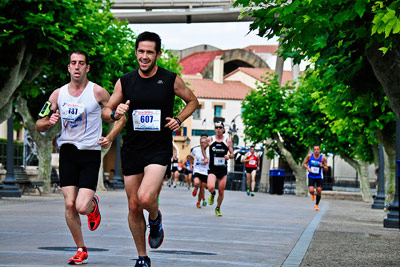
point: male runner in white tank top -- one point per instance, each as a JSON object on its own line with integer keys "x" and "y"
{"x": 78, "y": 105}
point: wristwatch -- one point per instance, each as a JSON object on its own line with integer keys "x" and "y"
{"x": 112, "y": 116}
{"x": 178, "y": 121}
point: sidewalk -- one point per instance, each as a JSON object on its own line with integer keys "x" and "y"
{"x": 267, "y": 230}
{"x": 352, "y": 234}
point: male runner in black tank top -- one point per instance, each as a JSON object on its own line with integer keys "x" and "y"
{"x": 147, "y": 96}
{"x": 221, "y": 150}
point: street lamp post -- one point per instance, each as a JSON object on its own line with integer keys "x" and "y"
{"x": 117, "y": 176}
{"x": 379, "y": 202}
{"x": 10, "y": 188}
{"x": 392, "y": 220}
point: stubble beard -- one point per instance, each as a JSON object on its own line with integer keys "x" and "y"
{"x": 149, "y": 70}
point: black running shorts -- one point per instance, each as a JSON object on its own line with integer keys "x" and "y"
{"x": 250, "y": 169}
{"x": 79, "y": 168}
{"x": 168, "y": 170}
{"x": 186, "y": 172}
{"x": 202, "y": 177}
{"x": 134, "y": 161}
{"x": 316, "y": 182}
{"x": 219, "y": 174}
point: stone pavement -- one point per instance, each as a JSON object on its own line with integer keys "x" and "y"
{"x": 266, "y": 230}
{"x": 352, "y": 234}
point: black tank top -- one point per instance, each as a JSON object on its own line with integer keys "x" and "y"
{"x": 217, "y": 152}
{"x": 154, "y": 93}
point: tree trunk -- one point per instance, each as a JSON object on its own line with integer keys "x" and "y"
{"x": 362, "y": 169}
{"x": 388, "y": 141}
{"x": 6, "y": 110}
{"x": 387, "y": 68}
{"x": 21, "y": 71}
{"x": 45, "y": 147}
{"x": 44, "y": 142}
{"x": 390, "y": 176}
{"x": 364, "y": 182}
{"x": 100, "y": 181}
{"x": 299, "y": 172}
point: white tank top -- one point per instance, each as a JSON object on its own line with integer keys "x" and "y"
{"x": 198, "y": 164}
{"x": 80, "y": 118}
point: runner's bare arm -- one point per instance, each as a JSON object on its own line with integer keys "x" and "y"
{"x": 44, "y": 124}
{"x": 105, "y": 142}
{"x": 203, "y": 150}
{"x": 305, "y": 163}
{"x": 182, "y": 91}
{"x": 101, "y": 95}
{"x": 230, "y": 148}
{"x": 324, "y": 164}
{"x": 115, "y": 104}
{"x": 245, "y": 158}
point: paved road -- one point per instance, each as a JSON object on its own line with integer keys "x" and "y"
{"x": 258, "y": 231}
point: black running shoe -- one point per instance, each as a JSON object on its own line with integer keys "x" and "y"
{"x": 156, "y": 236}
{"x": 143, "y": 262}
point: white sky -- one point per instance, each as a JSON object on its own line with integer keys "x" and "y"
{"x": 224, "y": 35}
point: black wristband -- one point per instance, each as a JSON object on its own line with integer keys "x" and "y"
{"x": 112, "y": 116}
{"x": 178, "y": 121}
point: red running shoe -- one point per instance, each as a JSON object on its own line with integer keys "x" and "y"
{"x": 81, "y": 257}
{"x": 194, "y": 193}
{"x": 94, "y": 217}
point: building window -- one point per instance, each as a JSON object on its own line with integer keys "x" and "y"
{"x": 196, "y": 113}
{"x": 181, "y": 132}
{"x": 217, "y": 111}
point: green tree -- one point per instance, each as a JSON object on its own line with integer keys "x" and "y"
{"x": 363, "y": 119}
{"x": 292, "y": 121}
{"x": 33, "y": 33}
{"x": 351, "y": 42}
{"x": 343, "y": 31}
{"x": 84, "y": 25}
{"x": 272, "y": 124}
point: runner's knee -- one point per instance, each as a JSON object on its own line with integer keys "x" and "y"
{"x": 70, "y": 206}
{"x": 146, "y": 200}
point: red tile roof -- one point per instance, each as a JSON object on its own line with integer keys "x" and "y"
{"x": 196, "y": 62}
{"x": 207, "y": 88}
{"x": 258, "y": 49}
{"x": 256, "y": 73}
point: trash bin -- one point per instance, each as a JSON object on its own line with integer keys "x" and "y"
{"x": 276, "y": 180}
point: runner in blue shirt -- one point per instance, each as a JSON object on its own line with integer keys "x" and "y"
{"x": 315, "y": 164}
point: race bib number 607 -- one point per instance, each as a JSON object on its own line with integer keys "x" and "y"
{"x": 146, "y": 119}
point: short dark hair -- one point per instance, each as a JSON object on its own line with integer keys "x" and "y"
{"x": 252, "y": 147}
{"x": 203, "y": 136}
{"x": 80, "y": 52}
{"x": 149, "y": 36}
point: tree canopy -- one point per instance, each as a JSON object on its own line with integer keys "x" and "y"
{"x": 37, "y": 38}
{"x": 38, "y": 35}
{"x": 341, "y": 32}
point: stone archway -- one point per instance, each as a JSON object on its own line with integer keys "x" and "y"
{"x": 234, "y": 59}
